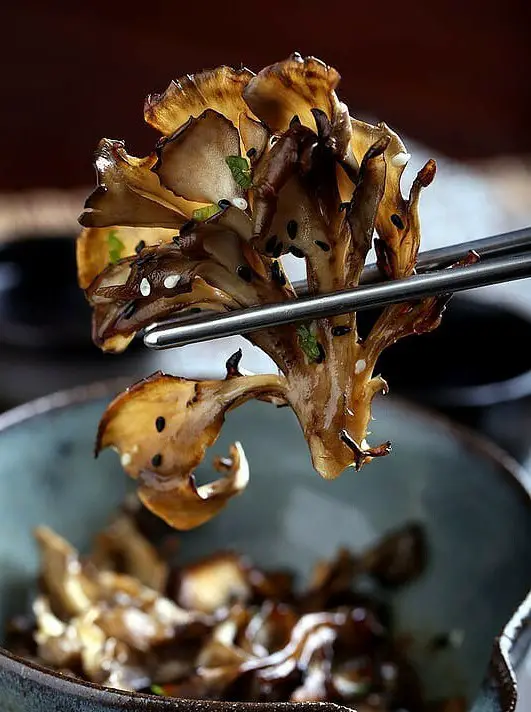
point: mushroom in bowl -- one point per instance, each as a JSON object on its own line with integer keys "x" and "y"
{"x": 285, "y": 521}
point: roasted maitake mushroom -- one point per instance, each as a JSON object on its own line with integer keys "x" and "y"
{"x": 100, "y": 624}
{"x": 248, "y": 168}
{"x": 220, "y": 628}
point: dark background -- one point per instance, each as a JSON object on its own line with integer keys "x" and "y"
{"x": 453, "y": 74}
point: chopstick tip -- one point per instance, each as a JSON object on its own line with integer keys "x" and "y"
{"x": 152, "y": 340}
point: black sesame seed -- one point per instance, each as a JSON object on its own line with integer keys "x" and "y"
{"x": 322, "y": 353}
{"x": 156, "y": 460}
{"x": 176, "y": 239}
{"x": 129, "y": 310}
{"x": 344, "y": 206}
{"x": 274, "y": 139}
{"x": 270, "y": 244}
{"x": 296, "y": 252}
{"x": 397, "y": 221}
{"x": 187, "y": 228}
{"x": 251, "y": 153}
{"x": 291, "y": 229}
{"x": 245, "y": 273}
{"x": 194, "y": 310}
{"x": 160, "y": 424}
{"x": 224, "y": 204}
{"x": 295, "y": 121}
{"x": 340, "y": 330}
{"x": 140, "y": 246}
{"x": 277, "y": 274}
{"x": 278, "y": 249}
{"x": 325, "y": 247}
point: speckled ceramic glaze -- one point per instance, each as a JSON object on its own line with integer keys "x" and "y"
{"x": 470, "y": 499}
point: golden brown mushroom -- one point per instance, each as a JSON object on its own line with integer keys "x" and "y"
{"x": 250, "y": 168}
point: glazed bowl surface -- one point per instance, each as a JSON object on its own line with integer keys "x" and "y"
{"x": 469, "y": 497}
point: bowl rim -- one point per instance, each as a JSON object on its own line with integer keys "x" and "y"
{"x": 502, "y": 675}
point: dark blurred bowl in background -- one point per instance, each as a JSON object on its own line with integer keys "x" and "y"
{"x": 45, "y": 342}
{"x": 41, "y": 305}
{"x": 475, "y": 368}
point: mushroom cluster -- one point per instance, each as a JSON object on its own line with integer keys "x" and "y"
{"x": 248, "y": 168}
{"x": 132, "y": 617}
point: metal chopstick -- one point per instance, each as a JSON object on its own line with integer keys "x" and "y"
{"x": 506, "y": 243}
{"x": 208, "y": 327}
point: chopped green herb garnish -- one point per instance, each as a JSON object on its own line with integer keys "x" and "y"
{"x": 157, "y": 690}
{"x": 116, "y": 246}
{"x": 240, "y": 169}
{"x": 202, "y": 214}
{"x": 308, "y": 343}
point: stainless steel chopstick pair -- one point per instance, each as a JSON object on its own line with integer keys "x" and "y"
{"x": 504, "y": 258}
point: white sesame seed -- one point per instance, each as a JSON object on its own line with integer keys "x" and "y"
{"x": 126, "y": 459}
{"x": 145, "y": 287}
{"x": 239, "y": 203}
{"x": 171, "y": 281}
{"x": 400, "y": 159}
{"x": 360, "y": 366}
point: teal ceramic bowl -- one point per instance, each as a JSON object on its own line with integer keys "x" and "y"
{"x": 469, "y": 497}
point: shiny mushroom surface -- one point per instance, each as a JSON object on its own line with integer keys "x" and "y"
{"x": 130, "y": 617}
